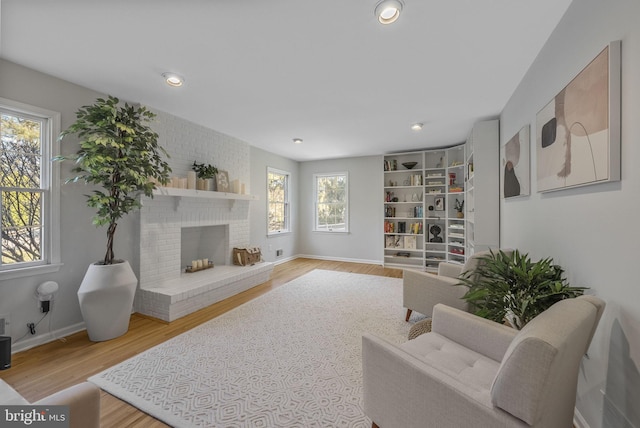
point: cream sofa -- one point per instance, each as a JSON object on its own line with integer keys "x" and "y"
{"x": 83, "y": 401}
{"x": 472, "y": 372}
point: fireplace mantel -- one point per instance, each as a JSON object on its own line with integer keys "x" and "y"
{"x": 178, "y": 194}
{"x": 172, "y": 191}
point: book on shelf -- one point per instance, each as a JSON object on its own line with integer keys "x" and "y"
{"x": 390, "y": 165}
{"x": 410, "y": 242}
{"x": 389, "y": 227}
{"x": 394, "y": 241}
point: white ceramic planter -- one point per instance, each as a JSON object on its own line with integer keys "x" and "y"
{"x": 106, "y": 300}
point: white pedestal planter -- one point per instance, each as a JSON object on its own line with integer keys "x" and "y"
{"x": 106, "y": 300}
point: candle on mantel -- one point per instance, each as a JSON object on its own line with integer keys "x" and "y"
{"x": 191, "y": 180}
{"x": 205, "y": 263}
{"x": 194, "y": 264}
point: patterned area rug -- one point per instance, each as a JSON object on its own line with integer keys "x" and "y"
{"x": 290, "y": 358}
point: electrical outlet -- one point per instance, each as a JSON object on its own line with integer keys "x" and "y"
{"x": 279, "y": 252}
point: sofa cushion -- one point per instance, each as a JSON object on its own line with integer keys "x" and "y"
{"x": 468, "y": 367}
{"x": 9, "y": 396}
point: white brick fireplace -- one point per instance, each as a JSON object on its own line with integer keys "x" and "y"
{"x": 165, "y": 290}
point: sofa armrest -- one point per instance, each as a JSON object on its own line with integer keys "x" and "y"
{"x": 451, "y": 270}
{"x": 471, "y": 331}
{"x": 423, "y": 290}
{"x": 83, "y": 401}
{"x": 400, "y": 390}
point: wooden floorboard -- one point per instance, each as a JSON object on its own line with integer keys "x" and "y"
{"x": 48, "y": 368}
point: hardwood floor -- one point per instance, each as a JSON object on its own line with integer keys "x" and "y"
{"x": 48, "y": 368}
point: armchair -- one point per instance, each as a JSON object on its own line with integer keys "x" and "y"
{"x": 421, "y": 291}
{"x": 470, "y": 371}
{"x": 83, "y": 400}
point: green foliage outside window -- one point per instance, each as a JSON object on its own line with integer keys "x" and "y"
{"x": 278, "y": 203}
{"x": 20, "y": 160}
{"x": 331, "y": 203}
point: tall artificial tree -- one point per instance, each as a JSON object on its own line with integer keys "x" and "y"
{"x": 119, "y": 152}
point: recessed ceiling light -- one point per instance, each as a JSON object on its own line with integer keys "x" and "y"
{"x": 173, "y": 79}
{"x": 297, "y": 140}
{"x": 417, "y": 126}
{"x": 388, "y": 11}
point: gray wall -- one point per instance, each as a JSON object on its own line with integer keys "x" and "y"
{"x": 81, "y": 242}
{"x": 593, "y": 232}
{"x": 364, "y": 240}
{"x": 260, "y": 161}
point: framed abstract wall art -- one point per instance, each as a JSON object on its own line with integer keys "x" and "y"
{"x": 578, "y": 132}
{"x": 514, "y": 165}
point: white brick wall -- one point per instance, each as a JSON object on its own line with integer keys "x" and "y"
{"x": 186, "y": 141}
{"x": 162, "y": 217}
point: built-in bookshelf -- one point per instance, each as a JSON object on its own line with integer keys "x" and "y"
{"x": 422, "y": 191}
{"x": 442, "y": 204}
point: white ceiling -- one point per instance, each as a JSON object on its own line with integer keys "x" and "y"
{"x": 266, "y": 71}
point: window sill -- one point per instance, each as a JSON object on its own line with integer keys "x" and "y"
{"x": 30, "y": 271}
{"x": 329, "y": 232}
{"x": 274, "y": 235}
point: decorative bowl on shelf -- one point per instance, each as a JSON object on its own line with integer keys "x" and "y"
{"x": 409, "y": 165}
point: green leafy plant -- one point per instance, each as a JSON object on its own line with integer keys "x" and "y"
{"x": 204, "y": 171}
{"x": 119, "y": 152}
{"x": 513, "y": 288}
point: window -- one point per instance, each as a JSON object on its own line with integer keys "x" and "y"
{"x": 278, "y": 201}
{"x": 331, "y": 193}
{"x": 29, "y": 192}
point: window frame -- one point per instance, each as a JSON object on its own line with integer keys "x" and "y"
{"x": 50, "y": 190}
{"x": 316, "y": 203}
{"x": 287, "y": 202}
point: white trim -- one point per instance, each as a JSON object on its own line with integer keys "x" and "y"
{"x": 41, "y": 339}
{"x": 51, "y": 178}
{"x": 287, "y": 202}
{"x": 30, "y": 271}
{"x": 339, "y": 259}
{"x": 315, "y": 201}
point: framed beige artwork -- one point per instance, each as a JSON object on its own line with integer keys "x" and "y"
{"x": 578, "y": 132}
{"x": 514, "y": 165}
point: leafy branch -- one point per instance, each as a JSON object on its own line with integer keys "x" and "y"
{"x": 119, "y": 152}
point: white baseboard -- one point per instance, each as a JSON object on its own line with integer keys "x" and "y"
{"x": 286, "y": 259}
{"x": 340, "y": 259}
{"x": 41, "y": 339}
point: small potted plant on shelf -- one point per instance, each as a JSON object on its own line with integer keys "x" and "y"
{"x": 206, "y": 174}
{"x": 459, "y": 208}
{"x": 120, "y": 153}
{"x": 514, "y": 289}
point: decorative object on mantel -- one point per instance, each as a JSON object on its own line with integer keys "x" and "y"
{"x": 206, "y": 175}
{"x": 222, "y": 181}
{"x": 246, "y": 256}
{"x": 117, "y": 139}
{"x": 198, "y": 265}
